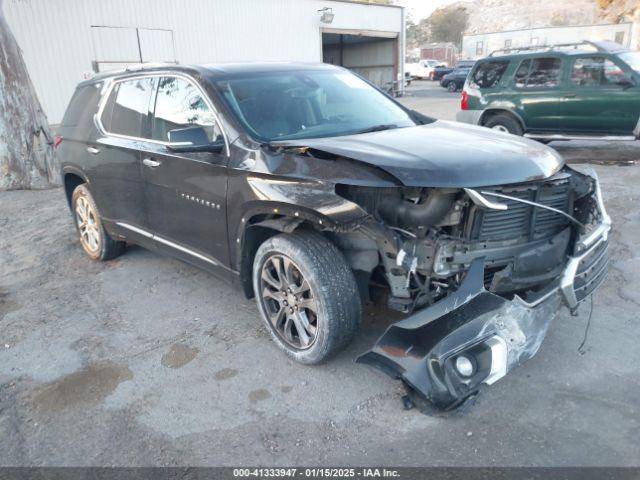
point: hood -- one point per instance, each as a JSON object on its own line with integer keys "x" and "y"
{"x": 444, "y": 154}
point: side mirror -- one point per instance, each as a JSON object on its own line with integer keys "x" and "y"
{"x": 193, "y": 139}
{"x": 625, "y": 82}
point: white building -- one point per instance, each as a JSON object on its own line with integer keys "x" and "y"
{"x": 482, "y": 44}
{"x": 64, "y": 41}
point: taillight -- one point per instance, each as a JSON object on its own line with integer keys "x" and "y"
{"x": 57, "y": 140}
{"x": 463, "y": 100}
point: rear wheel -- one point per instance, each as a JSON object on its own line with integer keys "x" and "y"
{"x": 307, "y": 295}
{"x": 504, "y": 123}
{"x": 94, "y": 239}
{"x": 452, "y": 87}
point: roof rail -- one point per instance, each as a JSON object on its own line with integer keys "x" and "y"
{"x": 134, "y": 67}
{"x": 598, "y": 46}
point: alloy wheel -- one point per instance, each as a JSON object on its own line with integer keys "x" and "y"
{"x": 87, "y": 225}
{"x": 288, "y": 302}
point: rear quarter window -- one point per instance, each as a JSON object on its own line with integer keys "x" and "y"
{"x": 83, "y": 105}
{"x": 488, "y": 74}
{"x": 541, "y": 72}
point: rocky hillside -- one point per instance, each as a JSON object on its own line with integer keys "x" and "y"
{"x": 498, "y": 15}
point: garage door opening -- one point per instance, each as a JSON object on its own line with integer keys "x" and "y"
{"x": 373, "y": 57}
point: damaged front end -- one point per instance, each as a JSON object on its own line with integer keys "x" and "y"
{"x": 481, "y": 273}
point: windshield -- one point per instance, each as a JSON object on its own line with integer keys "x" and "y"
{"x": 632, "y": 59}
{"x": 310, "y": 104}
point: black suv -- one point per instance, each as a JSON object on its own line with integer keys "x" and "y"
{"x": 305, "y": 186}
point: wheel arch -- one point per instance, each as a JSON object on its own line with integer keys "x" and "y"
{"x": 492, "y": 112}
{"x": 71, "y": 179}
{"x": 258, "y": 229}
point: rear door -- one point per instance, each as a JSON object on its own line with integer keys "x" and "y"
{"x": 186, "y": 192}
{"x": 113, "y": 165}
{"x": 595, "y": 100}
{"x": 536, "y": 84}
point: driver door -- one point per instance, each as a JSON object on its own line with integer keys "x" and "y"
{"x": 596, "y": 100}
{"x": 186, "y": 192}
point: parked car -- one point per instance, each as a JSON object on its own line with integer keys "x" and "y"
{"x": 455, "y": 80}
{"x": 441, "y": 71}
{"x": 309, "y": 188}
{"x": 424, "y": 68}
{"x": 589, "y": 91}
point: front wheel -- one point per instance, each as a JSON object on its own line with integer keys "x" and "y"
{"x": 452, "y": 87}
{"x": 307, "y": 295}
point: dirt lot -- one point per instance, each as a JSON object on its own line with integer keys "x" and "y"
{"x": 148, "y": 361}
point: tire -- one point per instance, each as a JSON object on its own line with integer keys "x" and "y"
{"x": 308, "y": 257}
{"x": 94, "y": 239}
{"x": 505, "y": 123}
{"x": 452, "y": 87}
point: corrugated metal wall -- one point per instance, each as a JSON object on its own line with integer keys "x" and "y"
{"x": 57, "y": 44}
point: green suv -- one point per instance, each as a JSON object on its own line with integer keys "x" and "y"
{"x": 589, "y": 90}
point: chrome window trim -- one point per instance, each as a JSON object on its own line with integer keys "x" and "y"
{"x": 118, "y": 79}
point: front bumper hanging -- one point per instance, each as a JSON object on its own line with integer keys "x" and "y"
{"x": 472, "y": 337}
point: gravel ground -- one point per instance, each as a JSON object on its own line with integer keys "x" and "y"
{"x": 148, "y": 361}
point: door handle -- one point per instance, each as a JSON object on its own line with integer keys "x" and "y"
{"x": 151, "y": 163}
{"x": 570, "y": 95}
{"x": 93, "y": 150}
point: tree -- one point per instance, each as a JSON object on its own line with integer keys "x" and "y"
{"x": 27, "y": 157}
{"x": 448, "y": 24}
{"x": 418, "y": 33}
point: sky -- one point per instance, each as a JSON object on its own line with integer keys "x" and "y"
{"x": 419, "y": 9}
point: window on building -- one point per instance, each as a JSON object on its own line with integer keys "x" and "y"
{"x": 179, "y": 104}
{"x": 595, "y": 71}
{"x": 507, "y": 43}
{"x": 479, "y": 48}
{"x": 488, "y": 74}
{"x": 127, "y": 107}
{"x": 534, "y": 40}
{"x": 538, "y": 72}
{"x": 619, "y": 38}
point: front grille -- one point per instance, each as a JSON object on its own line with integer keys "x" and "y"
{"x": 522, "y": 221}
{"x": 592, "y": 271}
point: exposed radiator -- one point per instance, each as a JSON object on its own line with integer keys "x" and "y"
{"x": 522, "y": 221}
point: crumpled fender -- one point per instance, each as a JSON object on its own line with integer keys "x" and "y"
{"x": 496, "y": 333}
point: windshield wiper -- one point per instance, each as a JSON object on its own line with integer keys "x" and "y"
{"x": 376, "y": 128}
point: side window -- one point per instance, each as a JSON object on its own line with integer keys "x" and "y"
{"x": 83, "y": 105}
{"x": 544, "y": 72}
{"x": 522, "y": 73}
{"x": 595, "y": 71}
{"x": 179, "y": 104}
{"x": 488, "y": 74}
{"x": 127, "y": 107}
